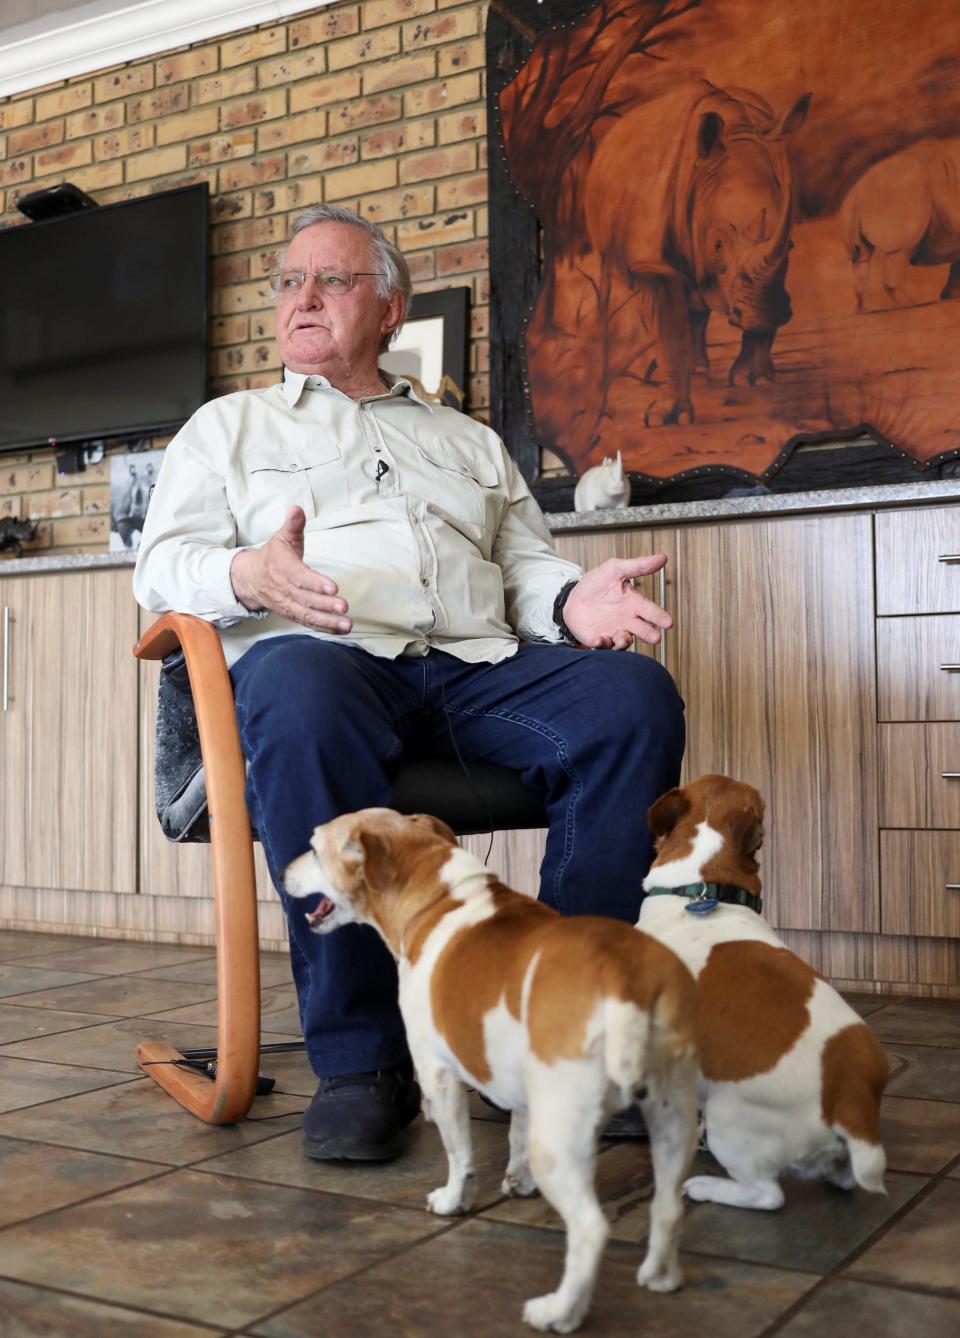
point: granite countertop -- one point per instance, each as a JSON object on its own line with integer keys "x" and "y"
{"x": 64, "y": 562}
{"x": 667, "y": 513}
{"x": 759, "y": 504}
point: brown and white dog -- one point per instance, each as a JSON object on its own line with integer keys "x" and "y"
{"x": 791, "y": 1079}
{"x": 561, "y": 1021}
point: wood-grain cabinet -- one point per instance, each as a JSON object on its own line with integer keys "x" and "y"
{"x": 68, "y": 763}
{"x": 918, "y": 677}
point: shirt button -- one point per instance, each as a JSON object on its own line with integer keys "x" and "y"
{"x": 377, "y": 449}
{"x": 425, "y": 581}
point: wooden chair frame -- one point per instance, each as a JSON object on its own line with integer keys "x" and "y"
{"x": 228, "y": 1097}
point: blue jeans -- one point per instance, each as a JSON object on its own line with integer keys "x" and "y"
{"x": 324, "y": 727}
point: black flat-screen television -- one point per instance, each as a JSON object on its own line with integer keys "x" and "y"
{"x": 103, "y": 321}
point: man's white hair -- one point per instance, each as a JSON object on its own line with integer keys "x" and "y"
{"x": 392, "y": 270}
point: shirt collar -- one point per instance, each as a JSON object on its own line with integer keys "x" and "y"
{"x": 294, "y": 384}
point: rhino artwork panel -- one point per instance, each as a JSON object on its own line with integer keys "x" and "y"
{"x": 750, "y": 221}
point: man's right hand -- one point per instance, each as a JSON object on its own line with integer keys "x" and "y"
{"x": 276, "y": 577}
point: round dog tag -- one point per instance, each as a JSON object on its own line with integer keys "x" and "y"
{"x": 701, "y": 906}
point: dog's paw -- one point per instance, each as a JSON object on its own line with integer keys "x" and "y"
{"x": 547, "y": 1314}
{"x": 446, "y": 1202}
{"x": 659, "y": 1278}
{"x": 701, "y": 1188}
{"x": 518, "y": 1185}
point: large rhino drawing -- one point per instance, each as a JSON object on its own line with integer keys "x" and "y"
{"x": 691, "y": 197}
{"x": 905, "y": 210}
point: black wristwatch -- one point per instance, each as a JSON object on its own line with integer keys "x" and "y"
{"x": 558, "y": 618}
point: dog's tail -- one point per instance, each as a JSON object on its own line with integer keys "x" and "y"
{"x": 855, "y": 1070}
{"x": 868, "y": 1162}
{"x": 626, "y": 1046}
{"x": 640, "y": 1043}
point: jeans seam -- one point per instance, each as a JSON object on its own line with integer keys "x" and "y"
{"x": 268, "y": 851}
{"x": 576, "y": 784}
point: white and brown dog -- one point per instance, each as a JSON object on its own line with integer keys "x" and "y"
{"x": 791, "y": 1079}
{"x": 561, "y": 1021}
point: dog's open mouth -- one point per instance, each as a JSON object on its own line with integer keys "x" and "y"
{"x": 325, "y": 908}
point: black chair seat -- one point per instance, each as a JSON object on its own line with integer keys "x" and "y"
{"x": 490, "y": 799}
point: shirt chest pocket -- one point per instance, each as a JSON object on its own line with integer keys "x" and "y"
{"x": 465, "y": 486}
{"x": 313, "y": 478}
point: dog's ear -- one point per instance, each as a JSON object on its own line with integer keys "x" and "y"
{"x": 753, "y": 837}
{"x": 437, "y": 826}
{"x": 664, "y": 815}
{"x": 746, "y": 828}
{"x": 373, "y": 856}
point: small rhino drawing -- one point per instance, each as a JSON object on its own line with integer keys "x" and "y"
{"x": 602, "y": 486}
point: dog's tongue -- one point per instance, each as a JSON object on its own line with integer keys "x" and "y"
{"x": 321, "y": 912}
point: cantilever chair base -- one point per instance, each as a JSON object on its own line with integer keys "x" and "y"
{"x": 492, "y": 797}
{"x": 228, "y": 1097}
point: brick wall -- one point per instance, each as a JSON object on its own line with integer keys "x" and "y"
{"x": 375, "y": 105}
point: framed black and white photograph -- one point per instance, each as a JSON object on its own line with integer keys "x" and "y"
{"x": 431, "y": 349}
{"x": 132, "y": 477}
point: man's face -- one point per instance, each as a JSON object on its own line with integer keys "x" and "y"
{"x": 323, "y": 335}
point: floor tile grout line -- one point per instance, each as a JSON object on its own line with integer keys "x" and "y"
{"x": 473, "y": 1215}
{"x": 92, "y": 1152}
{"x": 917, "y": 1045}
{"x": 132, "y": 1307}
{"x": 930, "y": 1100}
{"x": 157, "y": 1016}
{"x": 162, "y": 1171}
{"x": 444, "y": 1229}
{"x": 203, "y": 955}
{"x": 140, "y": 1160}
{"x": 66, "y": 1031}
{"x": 882, "y": 1230}
{"x": 104, "y": 1020}
{"x": 14, "y": 1000}
{"x": 95, "y": 977}
{"x": 65, "y": 1096}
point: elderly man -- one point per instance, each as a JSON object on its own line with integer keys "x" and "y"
{"x": 381, "y": 577}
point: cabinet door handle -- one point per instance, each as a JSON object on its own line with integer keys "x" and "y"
{"x": 950, "y": 668}
{"x": 662, "y": 600}
{"x": 952, "y": 887}
{"x": 6, "y": 659}
{"x": 950, "y": 775}
{"x": 949, "y": 557}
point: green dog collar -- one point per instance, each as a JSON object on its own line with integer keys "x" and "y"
{"x": 704, "y": 892}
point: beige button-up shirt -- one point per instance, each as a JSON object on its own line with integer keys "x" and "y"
{"x": 416, "y": 511}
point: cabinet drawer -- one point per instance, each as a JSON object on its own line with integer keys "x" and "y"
{"x": 914, "y": 570}
{"x": 920, "y": 776}
{"x": 917, "y": 870}
{"x": 912, "y": 683}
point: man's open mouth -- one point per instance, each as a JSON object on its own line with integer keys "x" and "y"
{"x": 325, "y": 908}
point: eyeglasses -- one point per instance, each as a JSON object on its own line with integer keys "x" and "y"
{"x": 331, "y": 282}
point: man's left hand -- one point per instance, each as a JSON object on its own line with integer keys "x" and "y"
{"x": 604, "y": 611}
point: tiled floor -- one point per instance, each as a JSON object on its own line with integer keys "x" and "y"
{"x": 122, "y": 1215}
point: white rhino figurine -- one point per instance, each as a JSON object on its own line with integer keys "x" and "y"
{"x": 602, "y": 486}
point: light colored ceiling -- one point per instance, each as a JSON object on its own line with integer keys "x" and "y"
{"x": 42, "y": 41}
{"x": 29, "y": 18}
